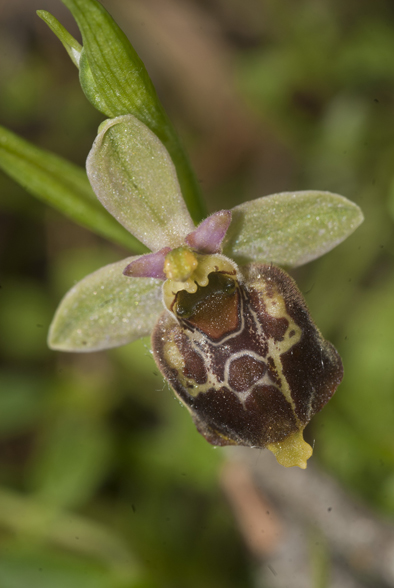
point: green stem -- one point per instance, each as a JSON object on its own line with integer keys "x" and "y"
{"x": 190, "y": 187}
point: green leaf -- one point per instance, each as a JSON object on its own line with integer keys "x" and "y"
{"x": 133, "y": 176}
{"x": 72, "y": 463}
{"x": 291, "y": 228}
{"x": 60, "y": 184}
{"x": 106, "y": 309}
{"x": 70, "y": 44}
{"x": 37, "y": 522}
{"x": 40, "y": 567}
{"x": 115, "y": 81}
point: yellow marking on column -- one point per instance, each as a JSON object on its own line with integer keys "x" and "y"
{"x": 198, "y": 276}
{"x": 179, "y": 264}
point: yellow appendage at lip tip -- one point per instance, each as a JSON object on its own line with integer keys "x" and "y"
{"x": 292, "y": 451}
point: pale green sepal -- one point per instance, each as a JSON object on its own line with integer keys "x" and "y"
{"x": 106, "y": 309}
{"x": 133, "y": 176}
{"x": 290, "y": 228}
{"x": 60, "y": 184}
{"x": 70, "y": 44}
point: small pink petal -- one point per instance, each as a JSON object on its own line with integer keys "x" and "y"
{"x": 148, "y": 266}
{"x": 208, "y": 237}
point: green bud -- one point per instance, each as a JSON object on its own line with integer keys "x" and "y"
{"x": 117, "y": 74}
{"x": 115, "y": 81}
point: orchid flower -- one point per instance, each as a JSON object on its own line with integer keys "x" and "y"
{"x": 230, "y": 330}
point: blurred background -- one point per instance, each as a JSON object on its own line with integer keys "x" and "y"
{"x": 104, "y": 481}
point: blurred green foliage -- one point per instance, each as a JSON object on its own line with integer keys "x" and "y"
{"x": 104, "y": 481}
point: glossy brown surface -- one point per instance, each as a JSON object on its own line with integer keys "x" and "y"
{"x": 248, "y": 361}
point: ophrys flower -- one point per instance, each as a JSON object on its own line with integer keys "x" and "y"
{"x": 231, "y": 331}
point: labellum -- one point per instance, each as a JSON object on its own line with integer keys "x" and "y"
{"x": 241, "y": 351}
